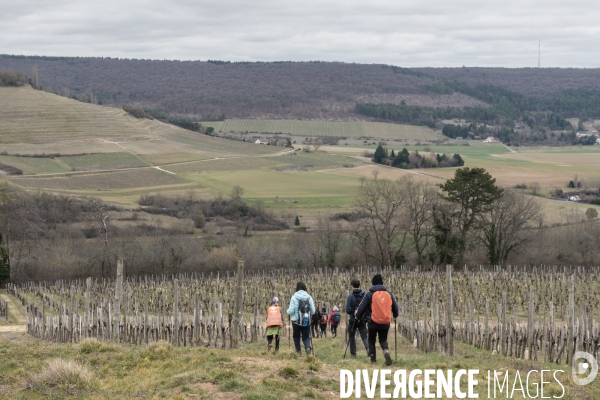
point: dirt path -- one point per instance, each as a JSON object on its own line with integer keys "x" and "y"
{"x": 15, "y": 311}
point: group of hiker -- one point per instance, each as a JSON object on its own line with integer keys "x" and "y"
{"x": 370, "y": 313}
{"x": 320, "y": 320}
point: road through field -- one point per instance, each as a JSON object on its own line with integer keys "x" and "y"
{"x": 16, "y": 313}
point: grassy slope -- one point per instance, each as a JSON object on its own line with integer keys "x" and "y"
{"x": 161, "y": 371}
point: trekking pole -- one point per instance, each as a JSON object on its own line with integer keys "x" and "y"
{"x": 395, "y": 344}
{"x": 312, "y": 348}
{"x": 349, "y": 333}
{"x": 289, "y": 336}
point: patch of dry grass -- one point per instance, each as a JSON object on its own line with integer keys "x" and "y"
{"x": 70, "y": 375}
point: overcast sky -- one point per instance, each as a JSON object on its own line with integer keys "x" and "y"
{"x": 408, "y": 33}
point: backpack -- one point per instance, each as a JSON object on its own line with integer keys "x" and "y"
{"x": 381, "y": 307}
{"x": 303, "y": 312}
{"x": 337, "y": 317}
{"x": 324, "y": 319}
{"x": 358, "y": 298}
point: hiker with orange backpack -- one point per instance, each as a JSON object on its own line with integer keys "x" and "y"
{"x": 378, "y": 304}
{"x": 274, "y": 324}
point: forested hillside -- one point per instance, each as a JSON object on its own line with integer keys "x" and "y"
{"x": 314, "y": 90}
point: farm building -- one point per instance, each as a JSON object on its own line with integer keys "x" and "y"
{"x": 261, "y": 141}
{"x": 586, "y": 134}
{"x": 573, "y": 198}
{"x": 491, "y": 139}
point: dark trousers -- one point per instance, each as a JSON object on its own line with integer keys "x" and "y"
{"x": 270, "y": 340}
{"x": 361, "y": 327}
{"x": 303, "y": 331}
{"x": 323, "y": 330}
{"x": 314, "y": 328}
{"x": 374, "y": 331}
{"x": 334, "y": 330}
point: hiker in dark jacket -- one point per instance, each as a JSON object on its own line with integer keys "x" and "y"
{"x": 354, "y": 325}
{"x": 315, "y": 322}
{"x": 378, "y": 305}
{"x": 323, "y": 322}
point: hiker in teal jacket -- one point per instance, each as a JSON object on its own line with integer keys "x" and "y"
{"x": 300, "y": 325}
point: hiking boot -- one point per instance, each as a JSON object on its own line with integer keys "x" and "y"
{"x": 373, "y": 361}
{"x": 299, "y": 353}
{"x": 388, "y": 358}
{"x": 268, "y": 347}
{"x": 353, "y": 355}
{"x": 307, "y": 352}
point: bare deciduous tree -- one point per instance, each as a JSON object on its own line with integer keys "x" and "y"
{"x": 101, "y": 217}
{"x": 382, "y": 201}
{"x": 535, "y": 187}
{"x": 509, "y": 225}
{"x": 330, "y": 238}
{"x": 236, "y": 192}
{"x": 421, "y": 201}
{"x": 317, "y": 143}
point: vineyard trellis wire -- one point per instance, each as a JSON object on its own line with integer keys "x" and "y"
{"x": 540, "y": 313}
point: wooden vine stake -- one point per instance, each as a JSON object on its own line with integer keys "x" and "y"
{"x": 449, "y": 312}
{"x": 118, "y": 289}
{"x": 571, "y": 322}
{"x": 239, "y": 304}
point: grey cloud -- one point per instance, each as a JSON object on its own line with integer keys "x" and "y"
{"x": 426, "y": 33}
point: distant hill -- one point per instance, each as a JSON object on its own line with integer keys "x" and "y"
{"x": 301, "y": 90}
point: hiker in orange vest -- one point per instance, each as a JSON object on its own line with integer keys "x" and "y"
{"x": 378, "y": 305}
{"x": 274, "y": 323}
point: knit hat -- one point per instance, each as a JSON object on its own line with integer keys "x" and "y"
{"x": 335, "y": 308}
{"x": 275, "y": 300}
{"x": 377, "y": 280}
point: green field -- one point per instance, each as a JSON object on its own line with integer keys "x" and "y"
{"x": 105, "y": 181}
{"x": 272, "y": 184}
{"x": 551, "y": 167}
{"x": 347, "y": 129}
{"x": 102, "y": 161}
{"x": 31, "y": 165}
{"x": 133, "y": 149}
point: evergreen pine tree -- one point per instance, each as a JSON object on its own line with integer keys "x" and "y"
{"x": 379, "y": 155}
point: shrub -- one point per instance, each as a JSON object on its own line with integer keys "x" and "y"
{"x": 135, "y": 111}
{"x": 223, "y": 258}
{"x": 199, "y": 219}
